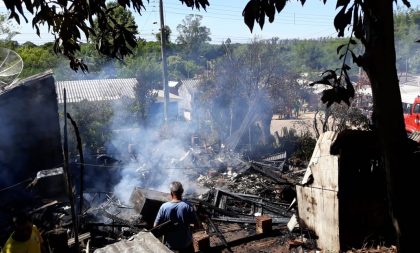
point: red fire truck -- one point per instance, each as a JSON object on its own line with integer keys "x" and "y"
{"x": 412, "y": 117}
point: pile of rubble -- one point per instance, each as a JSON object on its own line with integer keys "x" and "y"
{"x": 246, "y": 201}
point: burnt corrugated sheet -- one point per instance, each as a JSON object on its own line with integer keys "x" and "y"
{"x": 143, "y": 242}
{"x": 30, "y": 141}
{"x": 30, "y": 138}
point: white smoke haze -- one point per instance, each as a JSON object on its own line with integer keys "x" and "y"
{"x": 154, "y": 160}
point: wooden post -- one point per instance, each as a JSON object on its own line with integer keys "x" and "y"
{"x": 201, "y": 242}
{"x": 164, "y": 63}
{"x": 263, "y": 224}
{"x": 68, "y": 176}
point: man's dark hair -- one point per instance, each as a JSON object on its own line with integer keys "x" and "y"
{"x": 21, "y": 218}
{"x": 176, "y": 188}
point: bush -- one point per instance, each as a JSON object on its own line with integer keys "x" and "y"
{"x": 298, "y": 147}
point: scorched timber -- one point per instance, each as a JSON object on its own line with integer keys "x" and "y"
{"x": 250, "y": 220}
{"x": 268, "y": 170}
{"x": 259, "y": 203}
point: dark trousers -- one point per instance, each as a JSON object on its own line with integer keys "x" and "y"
{"x": 188, "y": 249}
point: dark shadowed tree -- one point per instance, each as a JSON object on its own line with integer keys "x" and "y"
{"x": 249, "y": 78}
{"x": 167, "y": 32}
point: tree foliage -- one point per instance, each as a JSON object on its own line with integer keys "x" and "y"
{"x": 117, "y": 18}
{"x": 94, "y": 121}
{"x": 407, "y": 31}
{"x": 250, "y": 78}
{"x": 7, "y": 29}
{"x": 192, "y": 35}
{"x": 70, "y": 20}
{"x": 36, "y": 60}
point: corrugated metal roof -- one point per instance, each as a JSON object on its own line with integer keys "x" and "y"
{"x": 172, "y": 97}
{"x": 143, "y": 242}
{"x": 95, "y": 90}
{"x": 415, "y": 136}
{"x": 191, "y": 84}
{"x": 101, "y": 90}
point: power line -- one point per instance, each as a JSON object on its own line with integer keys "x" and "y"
{"x": 279, "y": 22}
{"x": 236, "y": 10}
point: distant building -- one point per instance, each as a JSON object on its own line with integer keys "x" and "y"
{"x": 409, "y": 88}
{"x": 110, "y": 90}
{"x": 186, "y": 90}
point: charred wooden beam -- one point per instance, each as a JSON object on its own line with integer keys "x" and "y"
{"x": 82, "y": 161}
{"x": 67, "y": 175}
{"x": 246, "y": 240}
{"x": 250, "y": 220}
{"x": 113, "y": 225}
{"x": 161, "y": 229}
{"x": 263, "y": 200}
{"x": 219, "y": 234}
{"x": 213, "y": 209}
{"x": 43, "y": 207}
{"x": 258, "y": 203}
{"x": 119, "y": 220}
{"x": 267, "y": 170}
{"x": 82, "y": 237}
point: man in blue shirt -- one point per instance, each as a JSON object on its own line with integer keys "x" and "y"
{"x": 181, "y": 214}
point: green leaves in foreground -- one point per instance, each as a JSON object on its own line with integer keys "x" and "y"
{"x": 341, "y": 90}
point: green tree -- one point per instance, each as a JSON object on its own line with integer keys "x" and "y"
{"x": 181, "y": 69}
{"x": 192, "y": 35}
{"x": 93, "y": 120}
{"x": 117, "y": 17}
{"x": 167, "y": 32}
{"x": 407, "y": 30}
{"x": 73, "y": 18}
{"x": 7, "y": 29}
{"x": 251, "y": 77}
{"x": 145, "y": 65}
{"x": 36, "y": 60}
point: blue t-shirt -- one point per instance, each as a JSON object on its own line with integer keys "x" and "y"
{"x": 178, "y": 212}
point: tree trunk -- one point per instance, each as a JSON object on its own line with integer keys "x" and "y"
{"x": 379, "y": 64}
{"x": 265, "y": 125}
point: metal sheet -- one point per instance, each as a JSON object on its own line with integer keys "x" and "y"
{"x": 102, "y": 90}
{"x": 143, "y": 242}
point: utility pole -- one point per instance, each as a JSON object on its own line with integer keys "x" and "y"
{"x": 164, "y": 63}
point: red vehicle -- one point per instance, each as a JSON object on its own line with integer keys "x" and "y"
{"x": 412, "y": 116}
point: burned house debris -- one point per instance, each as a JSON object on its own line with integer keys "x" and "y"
{"x": 262, "y": 203}
{"x": 30, "y": 141}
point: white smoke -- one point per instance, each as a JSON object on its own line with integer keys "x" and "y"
{"x": 155, "y": 154}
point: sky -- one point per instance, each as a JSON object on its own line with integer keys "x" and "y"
{"x": 224, "y": 19}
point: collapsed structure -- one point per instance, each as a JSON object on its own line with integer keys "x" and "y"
{"x": 239, "y": 200}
